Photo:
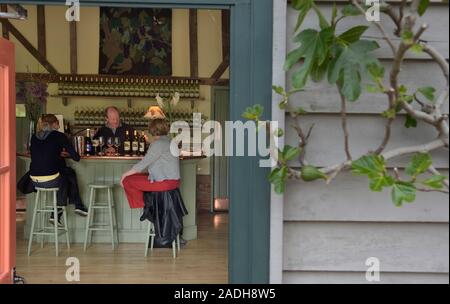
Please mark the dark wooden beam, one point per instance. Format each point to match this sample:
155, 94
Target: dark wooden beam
34, 52
225, 34
193, 41
42, 47
5, 33
221, 69
73, 48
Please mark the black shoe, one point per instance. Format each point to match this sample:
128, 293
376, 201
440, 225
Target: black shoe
52, 219
183, 242
81, 210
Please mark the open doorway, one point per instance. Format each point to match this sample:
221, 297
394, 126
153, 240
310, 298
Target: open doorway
251, 43
192, 56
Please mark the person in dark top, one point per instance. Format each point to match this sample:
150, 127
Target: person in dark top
47, 168
114, 128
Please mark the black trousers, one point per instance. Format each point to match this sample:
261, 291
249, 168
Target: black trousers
68, 187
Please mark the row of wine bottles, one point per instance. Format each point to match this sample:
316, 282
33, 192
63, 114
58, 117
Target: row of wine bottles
135, 145
131, 88
133, 117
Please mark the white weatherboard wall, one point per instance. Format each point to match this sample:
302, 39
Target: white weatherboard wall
330, 231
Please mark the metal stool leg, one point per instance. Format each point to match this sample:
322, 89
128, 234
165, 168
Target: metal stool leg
111, 223
152, 238
66, 227
149, 229
174, 250
178, 242
116, 225
55, 217
88, 220
33, 222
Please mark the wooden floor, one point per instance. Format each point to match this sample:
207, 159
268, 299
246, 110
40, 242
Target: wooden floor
200, 261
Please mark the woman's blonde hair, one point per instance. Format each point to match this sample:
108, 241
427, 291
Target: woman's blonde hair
46, 122
159, 127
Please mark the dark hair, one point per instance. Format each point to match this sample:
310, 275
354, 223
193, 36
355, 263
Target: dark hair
111, 108
159, 127
46, 121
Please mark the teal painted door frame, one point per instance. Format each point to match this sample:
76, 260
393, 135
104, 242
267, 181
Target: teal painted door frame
250, 83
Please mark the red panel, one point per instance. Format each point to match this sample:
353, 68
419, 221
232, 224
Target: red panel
7, 161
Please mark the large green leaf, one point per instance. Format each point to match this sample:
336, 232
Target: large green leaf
435, 182
379, 181
353, 34
428, 92
369, 165
422, 7
314, 49
303, 6
403, 192
278, 178
289, 153
350, 10
349, 64
419, 164
323, 23
410, 122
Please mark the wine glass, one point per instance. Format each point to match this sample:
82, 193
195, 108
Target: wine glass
95, 144
101, 143
109, 142
117, 145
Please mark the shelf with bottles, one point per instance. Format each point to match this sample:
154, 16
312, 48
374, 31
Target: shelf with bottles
126, 87
86, 117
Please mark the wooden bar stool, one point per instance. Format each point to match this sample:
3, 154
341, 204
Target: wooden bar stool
91, 226
42, 209
151, 238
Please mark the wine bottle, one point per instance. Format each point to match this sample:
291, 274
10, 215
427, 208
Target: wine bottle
88, 147
127, 144
135, 144
142, 144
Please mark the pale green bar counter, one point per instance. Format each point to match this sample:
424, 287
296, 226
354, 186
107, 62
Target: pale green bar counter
109, 170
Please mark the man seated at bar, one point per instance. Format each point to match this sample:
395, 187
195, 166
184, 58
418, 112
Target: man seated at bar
114, 128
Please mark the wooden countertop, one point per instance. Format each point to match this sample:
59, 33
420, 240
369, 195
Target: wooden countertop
137, 158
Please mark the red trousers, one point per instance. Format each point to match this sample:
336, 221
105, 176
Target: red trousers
136, 185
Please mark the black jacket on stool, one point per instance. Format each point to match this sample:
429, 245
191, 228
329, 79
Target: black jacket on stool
165, 210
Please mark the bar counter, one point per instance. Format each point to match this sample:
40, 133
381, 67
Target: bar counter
109, 169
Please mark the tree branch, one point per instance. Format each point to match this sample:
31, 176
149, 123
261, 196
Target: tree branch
378, 25
432, 190
344, 125
390, 121
435, 144
433, 170
440, 60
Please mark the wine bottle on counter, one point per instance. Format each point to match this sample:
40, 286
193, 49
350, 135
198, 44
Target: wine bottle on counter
142, 144
88, 147
135, 144
127, 144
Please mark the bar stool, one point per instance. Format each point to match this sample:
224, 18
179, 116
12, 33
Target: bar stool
108, 205
151, 238
43, 208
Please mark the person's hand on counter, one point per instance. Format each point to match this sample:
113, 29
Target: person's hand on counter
110, 151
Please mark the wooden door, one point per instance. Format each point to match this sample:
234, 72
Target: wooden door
7, 162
